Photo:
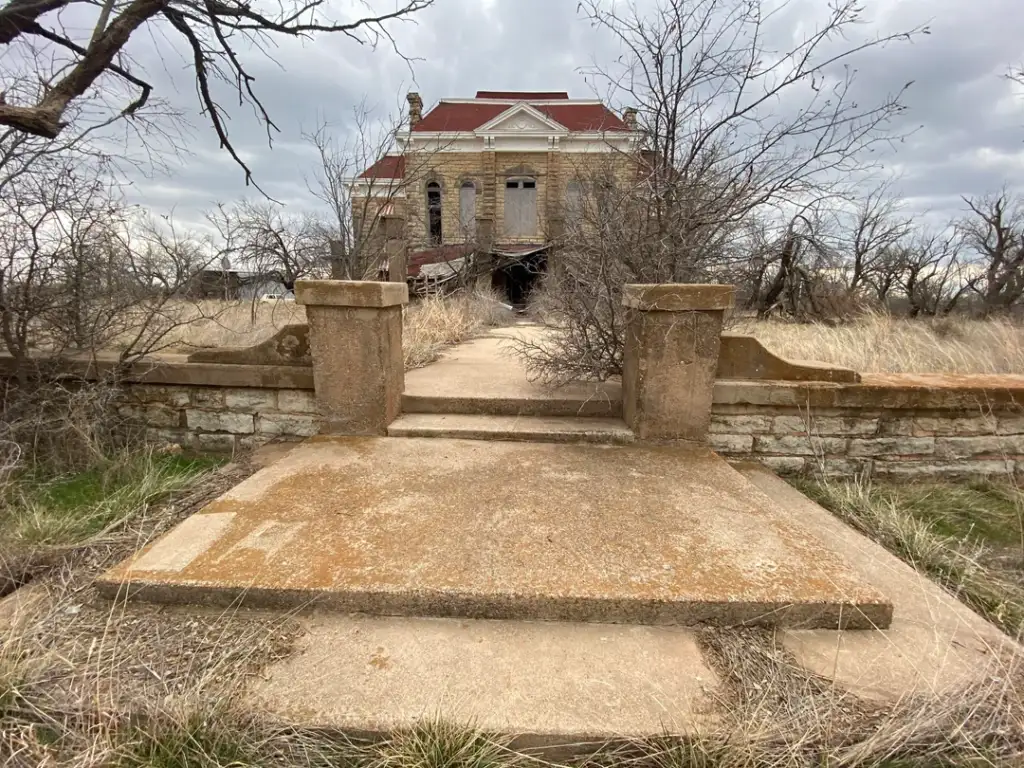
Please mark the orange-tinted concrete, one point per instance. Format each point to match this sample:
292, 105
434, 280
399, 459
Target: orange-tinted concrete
436, 527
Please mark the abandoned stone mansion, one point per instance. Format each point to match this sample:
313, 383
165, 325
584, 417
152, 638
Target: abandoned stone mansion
489, 181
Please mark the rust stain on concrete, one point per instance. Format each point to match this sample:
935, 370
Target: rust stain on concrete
661, 533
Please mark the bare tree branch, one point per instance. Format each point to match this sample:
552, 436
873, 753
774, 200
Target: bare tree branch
213, 30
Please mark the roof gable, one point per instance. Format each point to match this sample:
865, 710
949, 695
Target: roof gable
522, 118
465, 115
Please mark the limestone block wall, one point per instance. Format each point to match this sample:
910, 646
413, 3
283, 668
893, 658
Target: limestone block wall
896, 430
219, 418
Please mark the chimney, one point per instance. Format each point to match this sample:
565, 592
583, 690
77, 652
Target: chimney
629, 118
415, 108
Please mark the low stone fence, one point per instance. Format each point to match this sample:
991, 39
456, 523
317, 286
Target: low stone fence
216, 418
683, 378
888, 426
895, 426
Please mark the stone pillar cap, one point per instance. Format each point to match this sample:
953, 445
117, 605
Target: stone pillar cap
350, 293
677, 297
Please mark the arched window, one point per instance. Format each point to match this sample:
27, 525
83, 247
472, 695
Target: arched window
467, 207
434, 212
520, 207
573, 202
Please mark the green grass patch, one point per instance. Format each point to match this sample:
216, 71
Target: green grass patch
72, 508
194, 740
952, 532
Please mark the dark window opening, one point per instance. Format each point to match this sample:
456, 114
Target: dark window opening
434, 212
511, 185
529, 185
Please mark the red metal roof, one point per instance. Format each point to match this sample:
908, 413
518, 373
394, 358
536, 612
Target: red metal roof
447, 116
467, 116
435, 255
522, 95
388, 167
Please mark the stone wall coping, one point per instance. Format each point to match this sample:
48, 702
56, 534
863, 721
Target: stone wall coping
879, 392
350, 293
677, 297
174, 369
745, 357
874, 392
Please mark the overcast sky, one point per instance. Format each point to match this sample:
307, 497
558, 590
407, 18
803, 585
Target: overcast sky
970, 140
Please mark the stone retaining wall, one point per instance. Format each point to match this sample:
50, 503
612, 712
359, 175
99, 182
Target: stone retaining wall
898, 426
211, 418
891, 426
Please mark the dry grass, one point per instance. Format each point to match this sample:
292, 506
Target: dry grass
883, 344
966, 539
430, 324
433, 323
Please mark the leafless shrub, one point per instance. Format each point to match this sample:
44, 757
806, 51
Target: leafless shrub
716, 155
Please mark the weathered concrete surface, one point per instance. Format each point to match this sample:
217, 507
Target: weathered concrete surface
289, 346
355, 335
408, 526
543, 682
677, 297
350, 293
546, 429
483, 376
671, 358
745, 357
935, 644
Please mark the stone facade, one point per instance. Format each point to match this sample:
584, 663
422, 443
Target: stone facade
496, 138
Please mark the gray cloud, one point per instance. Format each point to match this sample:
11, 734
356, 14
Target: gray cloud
966, 122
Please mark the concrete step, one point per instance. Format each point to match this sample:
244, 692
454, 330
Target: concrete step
562, 689
544, 429
620, 534
594, 404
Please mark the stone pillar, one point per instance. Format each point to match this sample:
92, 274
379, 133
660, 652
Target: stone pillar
355, 337
395, 250
671, 355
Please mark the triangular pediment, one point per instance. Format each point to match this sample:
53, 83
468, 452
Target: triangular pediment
522, 118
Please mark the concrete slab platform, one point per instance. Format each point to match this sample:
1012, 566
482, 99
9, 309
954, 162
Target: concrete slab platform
935, 644
546, 429
433, 527
546, 683
483, 376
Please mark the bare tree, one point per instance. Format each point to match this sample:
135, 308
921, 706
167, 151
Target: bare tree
275, 245
356, 203
77, 272
733, 131
216, 35
874, 230
732, 125
993, 233
931, 273
796, 267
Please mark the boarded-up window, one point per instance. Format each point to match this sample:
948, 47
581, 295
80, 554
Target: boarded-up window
467, 207
434, 212
520, 208
573, 202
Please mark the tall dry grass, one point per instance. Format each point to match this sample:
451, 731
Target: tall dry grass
429, 324
436, 322
879, 343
